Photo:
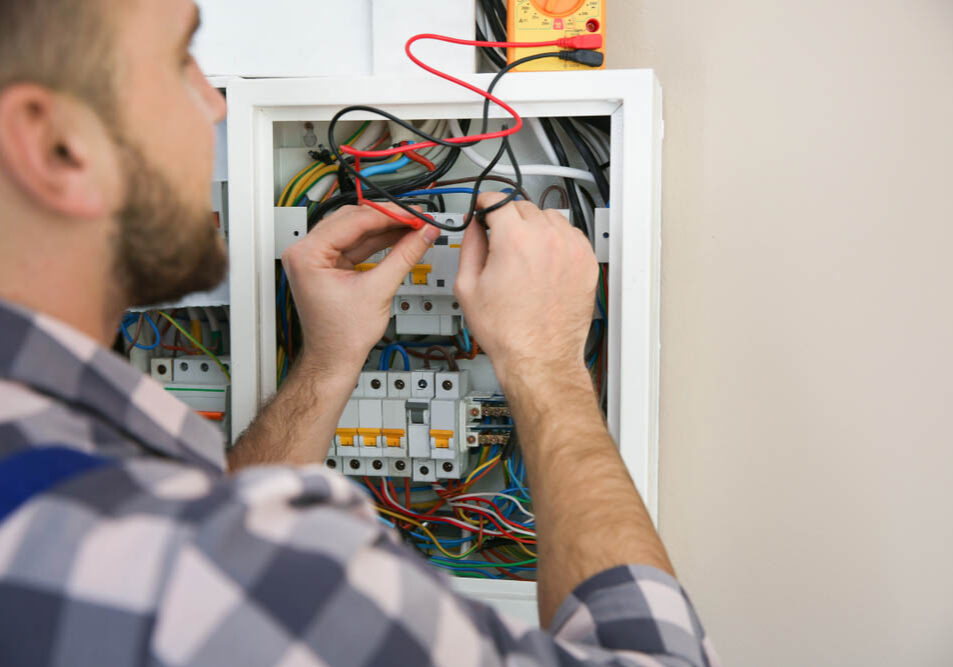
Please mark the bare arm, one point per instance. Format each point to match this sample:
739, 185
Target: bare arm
528, 295
343, 315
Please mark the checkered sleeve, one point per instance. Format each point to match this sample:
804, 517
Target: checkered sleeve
292, 567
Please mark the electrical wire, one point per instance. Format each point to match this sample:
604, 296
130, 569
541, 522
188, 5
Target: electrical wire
197, 344
528, 170
128, 321
592, 162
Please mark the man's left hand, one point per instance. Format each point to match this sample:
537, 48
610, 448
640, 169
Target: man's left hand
344, 312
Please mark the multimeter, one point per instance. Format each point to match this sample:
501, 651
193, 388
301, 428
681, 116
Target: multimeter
545, 20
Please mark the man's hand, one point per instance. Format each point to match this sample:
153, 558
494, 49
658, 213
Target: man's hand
344, 312
528, 296
528, 292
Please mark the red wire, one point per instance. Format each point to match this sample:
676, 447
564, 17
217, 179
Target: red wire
420, 159
414, 515
443, 75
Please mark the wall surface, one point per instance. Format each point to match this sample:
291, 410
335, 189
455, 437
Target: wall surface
807, 377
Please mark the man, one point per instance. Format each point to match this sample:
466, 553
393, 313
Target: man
123, 541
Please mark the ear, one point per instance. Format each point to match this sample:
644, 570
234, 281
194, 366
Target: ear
56, 150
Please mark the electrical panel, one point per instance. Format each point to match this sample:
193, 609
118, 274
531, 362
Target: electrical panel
423, 429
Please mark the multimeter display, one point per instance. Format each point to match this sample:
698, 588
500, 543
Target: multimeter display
544, 20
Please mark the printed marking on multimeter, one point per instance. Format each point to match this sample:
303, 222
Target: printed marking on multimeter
544, 20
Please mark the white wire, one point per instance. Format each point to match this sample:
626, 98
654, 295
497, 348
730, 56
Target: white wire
525, 169
512, 499
509, 527
537, 127
454, 522
371, 136
212, 318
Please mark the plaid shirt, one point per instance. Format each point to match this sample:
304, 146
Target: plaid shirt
161, 559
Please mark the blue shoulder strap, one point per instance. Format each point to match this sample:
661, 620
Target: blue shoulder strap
32, 471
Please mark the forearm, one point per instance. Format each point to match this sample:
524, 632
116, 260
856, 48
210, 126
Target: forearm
603, 522
296, 427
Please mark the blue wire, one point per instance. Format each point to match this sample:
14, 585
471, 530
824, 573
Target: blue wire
132, 318
510, 190
386, 168
437, 191
384, 362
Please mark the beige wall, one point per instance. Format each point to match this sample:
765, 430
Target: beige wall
807, 332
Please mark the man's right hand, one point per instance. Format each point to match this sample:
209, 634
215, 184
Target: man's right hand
527, 292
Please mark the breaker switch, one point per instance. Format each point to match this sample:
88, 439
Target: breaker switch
346, 436
364, 267
393, 436
369, 436
420, 273
441, 439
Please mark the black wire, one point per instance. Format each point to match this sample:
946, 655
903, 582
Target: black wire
491, 53
423, 201
497, 16
388, 195
592, 163
415, 183
579, 220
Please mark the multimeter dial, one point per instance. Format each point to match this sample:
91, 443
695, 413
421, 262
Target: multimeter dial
558, 8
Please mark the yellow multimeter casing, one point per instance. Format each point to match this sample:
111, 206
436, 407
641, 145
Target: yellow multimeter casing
546, 20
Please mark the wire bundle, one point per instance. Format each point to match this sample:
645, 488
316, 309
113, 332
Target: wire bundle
476, 534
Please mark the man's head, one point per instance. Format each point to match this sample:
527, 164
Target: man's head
107, 134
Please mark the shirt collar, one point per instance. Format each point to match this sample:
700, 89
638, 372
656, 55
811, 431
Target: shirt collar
57, 360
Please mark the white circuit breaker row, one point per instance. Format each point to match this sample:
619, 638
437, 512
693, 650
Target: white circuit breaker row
404, 424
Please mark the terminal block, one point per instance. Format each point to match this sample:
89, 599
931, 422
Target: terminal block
488, 421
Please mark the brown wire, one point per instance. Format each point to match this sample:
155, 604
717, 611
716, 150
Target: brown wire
563, 196
442, 351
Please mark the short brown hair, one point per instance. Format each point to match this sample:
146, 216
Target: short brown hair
66, 45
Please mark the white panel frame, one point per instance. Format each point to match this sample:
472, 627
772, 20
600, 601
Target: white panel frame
633, 100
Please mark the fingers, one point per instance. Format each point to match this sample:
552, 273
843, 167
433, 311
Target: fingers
374, 244
473, 254
408, 252
349, 226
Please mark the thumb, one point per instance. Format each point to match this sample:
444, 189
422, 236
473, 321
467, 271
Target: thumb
404, 256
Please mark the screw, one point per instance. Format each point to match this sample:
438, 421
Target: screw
355, 464
422, 383
448, 467
428, 306
377, 464
447, 385
400, 465
471, 439
399, 384
184, 366
404, 305
474, 412
375, 384
161, 369
424, 470
204, 368
331, 463
455, 306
